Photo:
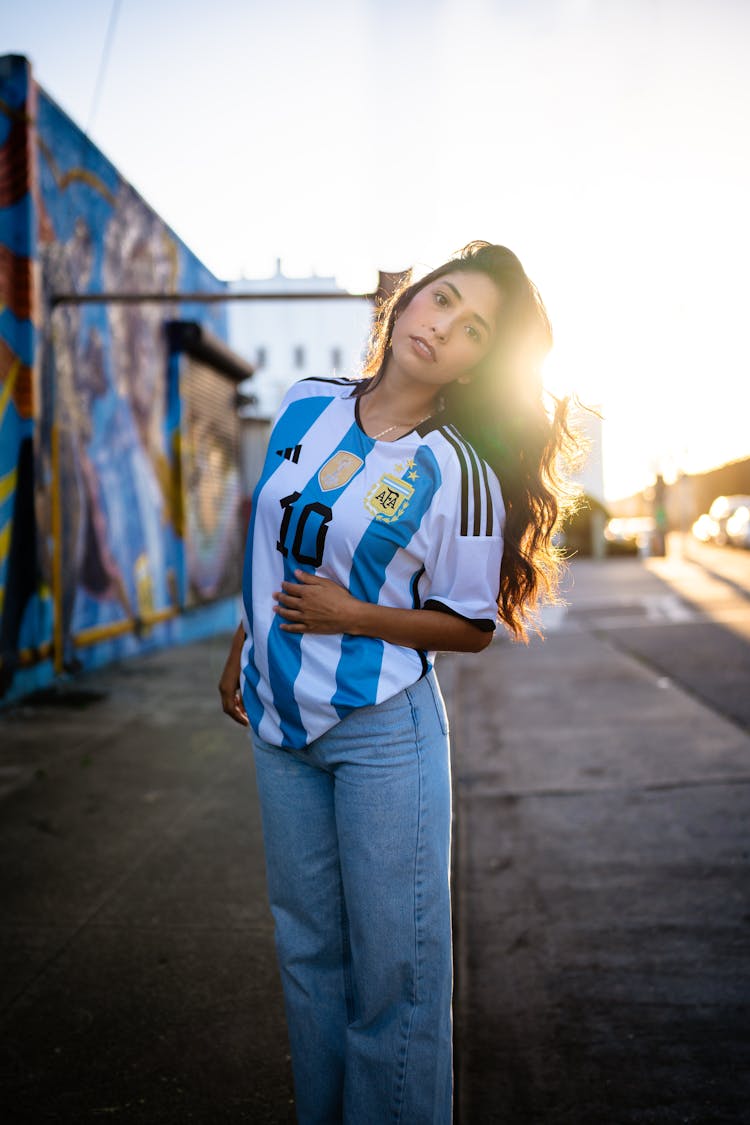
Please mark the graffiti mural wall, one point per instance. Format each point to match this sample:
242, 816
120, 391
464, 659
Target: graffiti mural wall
92, 484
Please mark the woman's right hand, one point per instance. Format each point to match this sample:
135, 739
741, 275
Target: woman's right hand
229, 684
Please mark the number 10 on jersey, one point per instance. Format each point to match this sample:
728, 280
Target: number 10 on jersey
307, 527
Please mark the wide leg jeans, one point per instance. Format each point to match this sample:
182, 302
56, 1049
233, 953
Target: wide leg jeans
357, 840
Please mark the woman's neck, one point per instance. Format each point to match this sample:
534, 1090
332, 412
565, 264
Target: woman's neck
401, 397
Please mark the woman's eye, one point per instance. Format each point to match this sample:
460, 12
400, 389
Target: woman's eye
441, 298
472, 332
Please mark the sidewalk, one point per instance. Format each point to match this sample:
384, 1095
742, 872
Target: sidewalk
601, 898
139, 980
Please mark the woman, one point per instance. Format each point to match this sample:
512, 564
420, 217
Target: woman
398, 515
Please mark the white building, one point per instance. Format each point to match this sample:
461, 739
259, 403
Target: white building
290, 339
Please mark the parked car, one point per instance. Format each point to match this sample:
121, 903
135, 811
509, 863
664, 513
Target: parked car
712, 527
581, 532
705, 528
738, 527
629, 535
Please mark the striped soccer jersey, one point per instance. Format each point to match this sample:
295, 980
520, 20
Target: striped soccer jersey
413, 523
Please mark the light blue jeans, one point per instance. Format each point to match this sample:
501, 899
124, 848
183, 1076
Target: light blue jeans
357, 838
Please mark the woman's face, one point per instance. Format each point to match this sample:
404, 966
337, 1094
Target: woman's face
447, 328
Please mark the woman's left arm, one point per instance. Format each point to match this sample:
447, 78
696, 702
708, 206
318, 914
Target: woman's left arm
317, 605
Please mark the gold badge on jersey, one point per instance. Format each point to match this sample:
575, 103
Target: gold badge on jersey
339, 470
389, 498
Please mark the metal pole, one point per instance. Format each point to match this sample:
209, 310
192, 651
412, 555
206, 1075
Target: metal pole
56, 299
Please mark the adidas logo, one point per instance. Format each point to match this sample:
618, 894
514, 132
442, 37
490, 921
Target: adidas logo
291, 453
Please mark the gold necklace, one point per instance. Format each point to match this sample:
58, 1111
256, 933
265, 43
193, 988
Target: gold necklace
400, 426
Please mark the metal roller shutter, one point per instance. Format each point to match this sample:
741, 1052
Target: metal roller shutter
210, 483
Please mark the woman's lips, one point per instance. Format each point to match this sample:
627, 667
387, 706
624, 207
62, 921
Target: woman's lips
421, 347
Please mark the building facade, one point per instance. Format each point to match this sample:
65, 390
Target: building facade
287, 339
119, 486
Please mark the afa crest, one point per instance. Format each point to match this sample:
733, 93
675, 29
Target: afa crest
339, 470
389, 498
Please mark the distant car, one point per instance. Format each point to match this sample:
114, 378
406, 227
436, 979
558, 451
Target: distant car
722, 509
705, 528
738, 527
629, 535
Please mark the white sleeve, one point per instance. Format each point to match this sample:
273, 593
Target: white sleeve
462, 567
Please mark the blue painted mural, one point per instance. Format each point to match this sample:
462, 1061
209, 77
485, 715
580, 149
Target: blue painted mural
95, 489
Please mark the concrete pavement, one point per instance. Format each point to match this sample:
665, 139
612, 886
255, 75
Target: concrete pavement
601, 893
603, 896
139, 980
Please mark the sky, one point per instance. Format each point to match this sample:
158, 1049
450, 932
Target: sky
604, 141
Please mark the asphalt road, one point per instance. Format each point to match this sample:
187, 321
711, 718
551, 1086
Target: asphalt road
686, 616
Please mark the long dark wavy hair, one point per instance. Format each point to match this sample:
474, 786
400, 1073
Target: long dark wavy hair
503, 413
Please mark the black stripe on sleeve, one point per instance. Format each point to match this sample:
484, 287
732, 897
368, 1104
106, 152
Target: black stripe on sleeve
473, 461
477, 489
475, 481
488, 494
482, 623
464, 478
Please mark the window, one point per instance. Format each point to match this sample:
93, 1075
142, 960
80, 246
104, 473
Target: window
299, 356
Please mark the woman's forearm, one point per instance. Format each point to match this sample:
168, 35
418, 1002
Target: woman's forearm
426, 629
318, 605
238, 640
229, 683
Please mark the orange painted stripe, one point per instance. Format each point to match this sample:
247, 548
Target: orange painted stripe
98, 633
15, 382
